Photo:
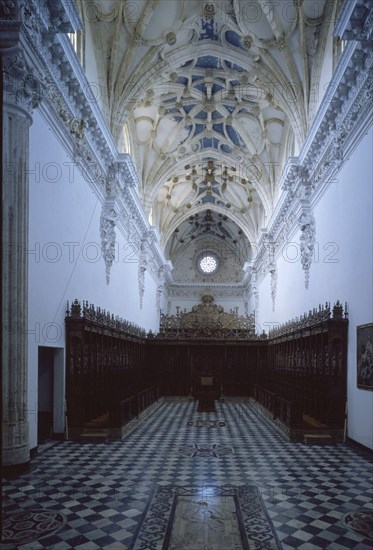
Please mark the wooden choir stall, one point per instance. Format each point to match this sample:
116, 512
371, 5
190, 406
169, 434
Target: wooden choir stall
115, 372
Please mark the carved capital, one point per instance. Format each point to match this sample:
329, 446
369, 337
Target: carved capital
21, 86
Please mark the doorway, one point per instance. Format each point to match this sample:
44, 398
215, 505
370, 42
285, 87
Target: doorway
51, 390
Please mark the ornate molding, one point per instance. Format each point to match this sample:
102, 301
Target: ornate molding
122, 173
343, 116
355, 21
54, 77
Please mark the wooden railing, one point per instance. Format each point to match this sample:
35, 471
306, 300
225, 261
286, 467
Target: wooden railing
287, 411
123, 411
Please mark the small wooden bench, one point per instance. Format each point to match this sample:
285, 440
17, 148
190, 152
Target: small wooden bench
320, 439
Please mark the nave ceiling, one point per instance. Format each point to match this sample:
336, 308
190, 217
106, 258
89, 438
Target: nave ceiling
210, 99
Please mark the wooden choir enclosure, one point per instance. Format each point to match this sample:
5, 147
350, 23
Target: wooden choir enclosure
115, 371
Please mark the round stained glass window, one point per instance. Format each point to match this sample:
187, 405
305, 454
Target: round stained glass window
208, 264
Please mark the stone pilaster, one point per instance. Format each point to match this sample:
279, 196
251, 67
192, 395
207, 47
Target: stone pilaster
21, 93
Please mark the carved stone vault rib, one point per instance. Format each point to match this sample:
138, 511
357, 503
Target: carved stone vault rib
187, 83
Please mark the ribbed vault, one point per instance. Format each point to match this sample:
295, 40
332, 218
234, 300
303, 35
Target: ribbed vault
210, 98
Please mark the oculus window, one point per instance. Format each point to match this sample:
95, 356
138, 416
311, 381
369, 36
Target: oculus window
208, 263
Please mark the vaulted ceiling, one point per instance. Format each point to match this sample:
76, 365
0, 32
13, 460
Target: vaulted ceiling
210, 98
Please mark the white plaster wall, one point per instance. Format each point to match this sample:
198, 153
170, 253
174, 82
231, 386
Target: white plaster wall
65, 260
342, 270
230, 269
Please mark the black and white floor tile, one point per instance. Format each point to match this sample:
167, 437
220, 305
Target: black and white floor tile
104, 490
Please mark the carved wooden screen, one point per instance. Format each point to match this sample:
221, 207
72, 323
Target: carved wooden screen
307, 364
300, 370
105, 364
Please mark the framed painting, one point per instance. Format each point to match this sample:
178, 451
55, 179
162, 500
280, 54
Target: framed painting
364, 347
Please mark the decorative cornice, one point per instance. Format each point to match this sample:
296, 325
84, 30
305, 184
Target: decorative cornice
343, 116
54, 72
355, 21
72, 15
123, 172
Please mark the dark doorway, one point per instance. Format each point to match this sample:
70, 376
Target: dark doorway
45, 393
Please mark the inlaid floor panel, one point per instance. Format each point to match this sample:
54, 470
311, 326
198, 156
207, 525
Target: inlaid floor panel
182, 470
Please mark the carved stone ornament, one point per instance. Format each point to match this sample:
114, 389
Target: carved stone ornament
273, 273
281, 42
356, 24
307, 226
159, 296
123, 174
8, 9
143, 266
208, 11
247, 41
137, 38
255, 291
141, 281
107, 231
77, 127
171, 38
22, 88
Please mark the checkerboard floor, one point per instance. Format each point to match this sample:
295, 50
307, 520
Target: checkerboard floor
103, 488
